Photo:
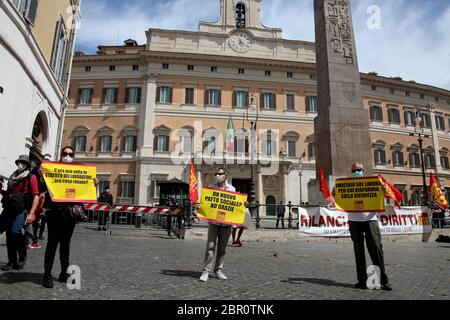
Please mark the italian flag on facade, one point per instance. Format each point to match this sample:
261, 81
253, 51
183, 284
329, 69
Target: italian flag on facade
230, 136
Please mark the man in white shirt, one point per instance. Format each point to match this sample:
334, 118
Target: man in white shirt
218, 235
365, 225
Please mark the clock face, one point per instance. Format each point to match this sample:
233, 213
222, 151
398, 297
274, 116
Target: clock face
240, 42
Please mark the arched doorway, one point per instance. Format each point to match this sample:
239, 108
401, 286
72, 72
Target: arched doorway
39, 136
271, 206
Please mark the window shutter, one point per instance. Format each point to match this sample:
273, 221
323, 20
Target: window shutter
307, 104
170, 94
91, 93
401, 158
375, 156
31, 11
127, 95
246, 99
116, 91
80, 92
390, 115
139, 93
383, 157
206, 101
261, 101
234, 98
219, 92
405, 116
158, 94
104, 96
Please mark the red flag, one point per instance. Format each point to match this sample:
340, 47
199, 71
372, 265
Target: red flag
324, 188
193, 184
390, 191
436, 192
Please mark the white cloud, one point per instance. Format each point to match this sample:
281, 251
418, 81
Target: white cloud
413, 41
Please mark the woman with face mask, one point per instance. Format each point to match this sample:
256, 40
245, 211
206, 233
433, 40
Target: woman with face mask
20, 202
60, 227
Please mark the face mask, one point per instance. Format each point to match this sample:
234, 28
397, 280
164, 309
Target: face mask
21, 166
220, 179
67, 159
357, 174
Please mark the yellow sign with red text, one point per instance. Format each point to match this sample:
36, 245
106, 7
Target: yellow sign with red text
70, 182
222, 206
359, 195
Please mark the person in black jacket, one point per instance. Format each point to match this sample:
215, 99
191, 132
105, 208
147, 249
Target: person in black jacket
60, 227
105, 198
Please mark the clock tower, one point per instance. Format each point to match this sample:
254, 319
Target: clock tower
242, 17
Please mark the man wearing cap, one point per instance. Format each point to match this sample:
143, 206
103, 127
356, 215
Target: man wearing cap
20, 202
365, 225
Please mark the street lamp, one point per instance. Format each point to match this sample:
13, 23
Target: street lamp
252, 116
300, 174
419, 132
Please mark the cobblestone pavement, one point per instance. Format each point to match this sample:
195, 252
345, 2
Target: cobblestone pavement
147, 264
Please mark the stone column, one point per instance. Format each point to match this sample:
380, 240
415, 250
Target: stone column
342, 126
285, 186
146, 137
435, 139
147, 115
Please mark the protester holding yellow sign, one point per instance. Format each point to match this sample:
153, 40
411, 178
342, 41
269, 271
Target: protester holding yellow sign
68, 186
221, 207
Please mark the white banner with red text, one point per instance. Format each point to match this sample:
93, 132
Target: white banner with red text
325, 222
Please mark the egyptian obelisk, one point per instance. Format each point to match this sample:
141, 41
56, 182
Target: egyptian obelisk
342, 125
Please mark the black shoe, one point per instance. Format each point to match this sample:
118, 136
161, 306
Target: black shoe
7, 267
19, 265
360, 285
63, 277
386, 287
48, 281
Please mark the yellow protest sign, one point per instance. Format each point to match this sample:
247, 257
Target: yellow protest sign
359, 195
70, 182
217, 205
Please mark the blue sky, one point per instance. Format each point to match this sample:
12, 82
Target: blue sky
411, 38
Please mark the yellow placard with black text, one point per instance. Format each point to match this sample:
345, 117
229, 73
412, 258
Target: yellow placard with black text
359, 195
70, 182
222, 206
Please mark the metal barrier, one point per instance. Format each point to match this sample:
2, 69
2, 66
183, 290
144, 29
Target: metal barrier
129, 215
292, 216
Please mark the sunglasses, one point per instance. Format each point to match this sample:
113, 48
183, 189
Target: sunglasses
65, 154
357, 170
220, 174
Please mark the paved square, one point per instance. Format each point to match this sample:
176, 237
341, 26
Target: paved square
146, 264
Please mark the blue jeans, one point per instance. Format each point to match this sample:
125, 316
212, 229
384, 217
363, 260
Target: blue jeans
16, 241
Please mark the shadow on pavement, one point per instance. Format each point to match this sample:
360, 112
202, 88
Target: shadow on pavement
12, 277
182, 273
324, 282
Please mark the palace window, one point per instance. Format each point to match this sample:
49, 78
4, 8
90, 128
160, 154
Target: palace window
379, 154
105, 143
311, 104
394, 116
80, 143
110, 95
60, 51
268, 100
410, 118
85, 95
189, 96
190, 67
241, 71
290, 102
415, 197
165, 66
129, 143
214, 97
426, 123
291, 143
440, 123
269, 144
397, 158
164, 94
268, 73
135, 67
414, 156
127, 189
444, 159
162, 143
133, 95
290, 75
240, 99
429, 160
376, 114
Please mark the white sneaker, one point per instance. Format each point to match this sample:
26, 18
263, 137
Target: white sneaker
205, 276
220, 275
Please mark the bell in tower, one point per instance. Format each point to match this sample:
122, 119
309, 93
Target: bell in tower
240, 16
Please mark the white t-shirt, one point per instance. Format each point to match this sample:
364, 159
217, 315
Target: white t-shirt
362, 216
